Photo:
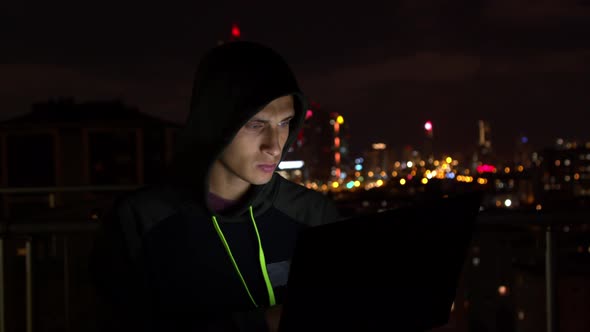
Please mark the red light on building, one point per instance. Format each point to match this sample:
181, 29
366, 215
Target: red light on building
235, 31
428, 126
300, 138
308, 114
485, 168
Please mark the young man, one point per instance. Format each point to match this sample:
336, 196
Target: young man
208, 248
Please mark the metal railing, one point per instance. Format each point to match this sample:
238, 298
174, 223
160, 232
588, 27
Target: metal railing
30, 231
39, 190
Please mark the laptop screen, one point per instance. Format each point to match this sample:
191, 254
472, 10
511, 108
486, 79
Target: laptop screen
399, 266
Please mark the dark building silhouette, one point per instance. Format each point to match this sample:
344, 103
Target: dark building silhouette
523, 152
64, 143
564, 172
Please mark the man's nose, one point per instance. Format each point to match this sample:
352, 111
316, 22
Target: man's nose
271, 143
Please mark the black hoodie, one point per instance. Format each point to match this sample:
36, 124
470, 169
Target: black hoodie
159, 263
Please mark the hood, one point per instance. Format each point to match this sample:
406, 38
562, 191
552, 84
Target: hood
233, 82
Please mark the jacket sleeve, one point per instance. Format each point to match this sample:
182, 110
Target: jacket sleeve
330, 211
124, 297
323, 210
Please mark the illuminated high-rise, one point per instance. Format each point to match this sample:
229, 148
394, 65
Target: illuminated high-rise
484, 142
428, 148
483, 154
323, 145
378, 158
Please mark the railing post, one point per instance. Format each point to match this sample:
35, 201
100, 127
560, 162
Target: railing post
2, 288
66, 285
29, 284
550, 281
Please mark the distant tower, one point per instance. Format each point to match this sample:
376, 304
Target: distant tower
483, 154
485, 142
339, 146
428, 142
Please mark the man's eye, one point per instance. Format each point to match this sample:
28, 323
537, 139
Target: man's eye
284, 123
254, 125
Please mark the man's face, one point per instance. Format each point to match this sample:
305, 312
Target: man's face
256, 150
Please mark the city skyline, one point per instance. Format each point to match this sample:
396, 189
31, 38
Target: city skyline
470, 151
387, 69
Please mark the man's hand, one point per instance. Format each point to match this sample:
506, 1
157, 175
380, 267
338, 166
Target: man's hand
273, 317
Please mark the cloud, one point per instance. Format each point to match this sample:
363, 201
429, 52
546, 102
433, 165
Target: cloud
440, 67
161, 90
550, 62
424, 66
542, 12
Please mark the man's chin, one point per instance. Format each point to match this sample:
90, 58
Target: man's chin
262, 180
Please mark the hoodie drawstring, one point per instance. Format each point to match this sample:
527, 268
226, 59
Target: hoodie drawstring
271, 294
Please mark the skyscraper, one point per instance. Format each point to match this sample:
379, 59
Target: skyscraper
483, 153
321, 144
378, 158
484, 141
428, 149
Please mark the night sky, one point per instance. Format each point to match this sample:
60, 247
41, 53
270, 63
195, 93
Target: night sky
522, 65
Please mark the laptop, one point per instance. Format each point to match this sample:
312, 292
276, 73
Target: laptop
394, 270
